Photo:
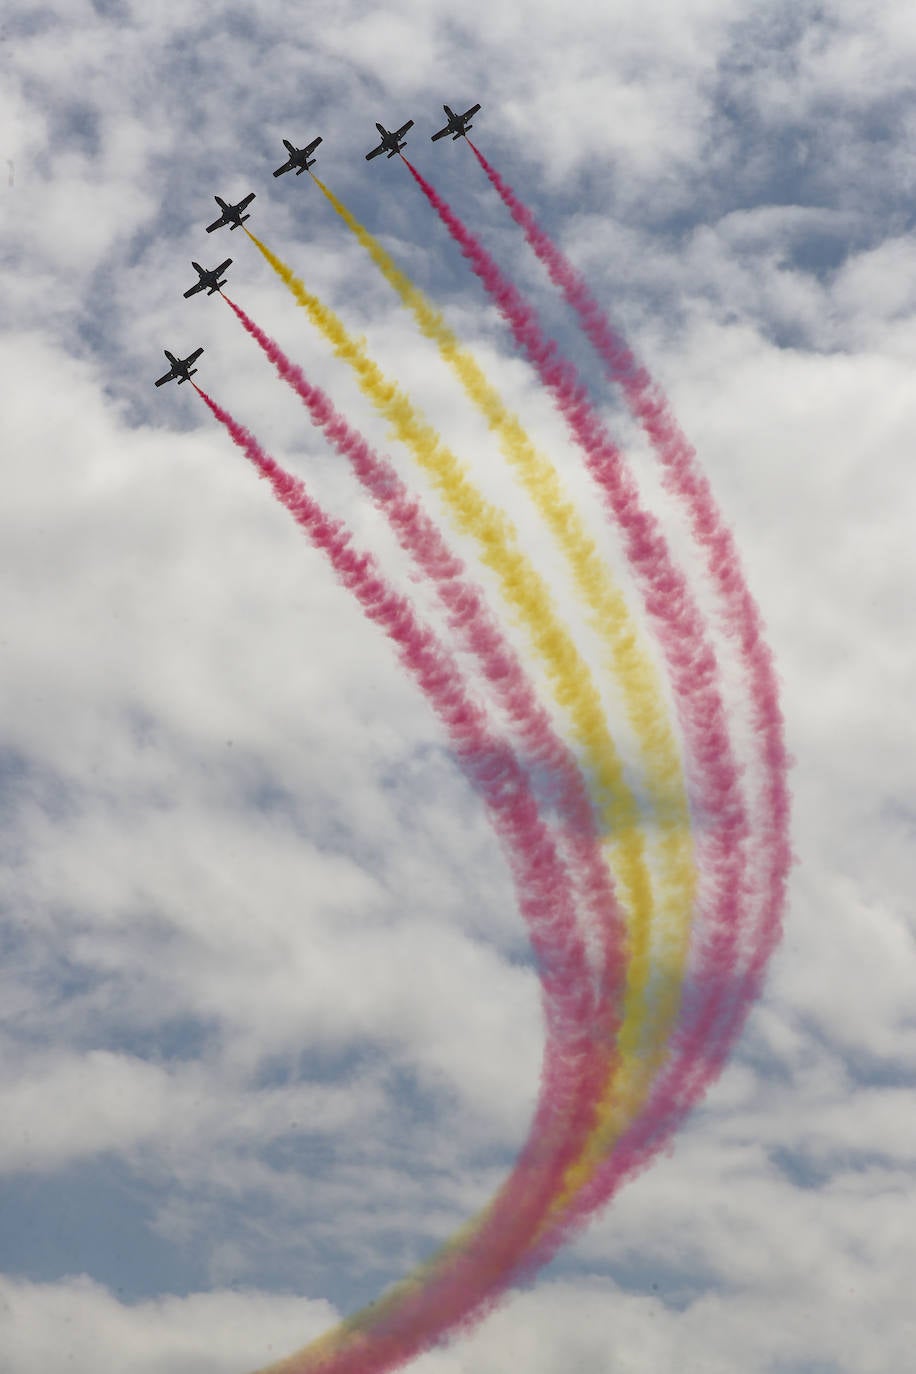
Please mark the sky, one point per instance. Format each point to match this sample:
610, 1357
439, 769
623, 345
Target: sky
270, 1026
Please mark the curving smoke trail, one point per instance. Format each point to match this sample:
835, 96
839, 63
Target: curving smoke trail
722, 994
689, 655
465, 1279
604, 1108
479, 635
527, 594
629, 664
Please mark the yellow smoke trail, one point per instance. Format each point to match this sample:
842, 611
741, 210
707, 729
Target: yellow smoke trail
527, 593
633, 671
574, 690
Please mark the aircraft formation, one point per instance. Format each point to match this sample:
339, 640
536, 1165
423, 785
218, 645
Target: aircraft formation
676, 858
300, 160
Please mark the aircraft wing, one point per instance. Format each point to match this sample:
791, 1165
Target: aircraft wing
442, 133
287, 167
375, 152
194, 356
198, 286
403, 129
217, 224
469, 114
167, 378
222, 267
313, 145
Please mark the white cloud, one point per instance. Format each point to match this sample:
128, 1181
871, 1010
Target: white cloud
78, 1323
262, 949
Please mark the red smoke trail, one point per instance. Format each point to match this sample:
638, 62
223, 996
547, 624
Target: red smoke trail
480, 635
684, 478
688, 651
462, 1283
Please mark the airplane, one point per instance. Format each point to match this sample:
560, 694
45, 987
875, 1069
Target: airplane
180, 367
458, 125
391, 142
298, 158
231, 214
209, 277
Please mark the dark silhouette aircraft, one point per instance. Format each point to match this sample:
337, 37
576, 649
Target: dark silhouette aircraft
458, 124
391, 142
180, 367
231, 214
298, 158
209, 278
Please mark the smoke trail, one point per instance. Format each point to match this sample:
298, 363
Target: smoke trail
527, 594
462, 1281
720, 1003
480, 636
688, 652
610, 616
627, 1103
687, 482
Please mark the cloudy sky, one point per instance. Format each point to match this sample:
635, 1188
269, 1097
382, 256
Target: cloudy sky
269, 1026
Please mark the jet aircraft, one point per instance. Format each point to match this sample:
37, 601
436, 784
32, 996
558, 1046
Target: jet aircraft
458, 124
231, 214
298, 158
180, 367
391, 142
209, 278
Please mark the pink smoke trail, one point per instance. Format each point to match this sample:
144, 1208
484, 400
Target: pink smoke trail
688, 651
686, 481
481, 637
462, 1283
422, 539
689, 654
